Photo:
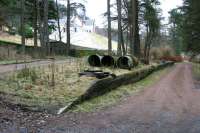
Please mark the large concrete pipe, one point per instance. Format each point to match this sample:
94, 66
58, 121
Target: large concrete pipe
107, 61
94, 60
127, 62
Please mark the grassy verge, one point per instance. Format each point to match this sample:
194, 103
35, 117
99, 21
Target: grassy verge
196, 70
115, 96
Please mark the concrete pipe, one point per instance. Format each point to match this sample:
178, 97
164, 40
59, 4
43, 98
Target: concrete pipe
107, 61
127, 62
94, 60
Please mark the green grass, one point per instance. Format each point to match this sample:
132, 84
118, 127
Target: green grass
115, 96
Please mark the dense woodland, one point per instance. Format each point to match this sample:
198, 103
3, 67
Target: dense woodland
140, 28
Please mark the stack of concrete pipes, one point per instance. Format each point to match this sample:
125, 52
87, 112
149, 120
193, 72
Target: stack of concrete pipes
123, 62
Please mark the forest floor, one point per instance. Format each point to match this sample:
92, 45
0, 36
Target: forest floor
171, 105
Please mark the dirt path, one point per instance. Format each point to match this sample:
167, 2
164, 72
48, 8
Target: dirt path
172, 105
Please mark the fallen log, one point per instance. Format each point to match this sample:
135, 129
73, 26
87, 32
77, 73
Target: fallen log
98, 74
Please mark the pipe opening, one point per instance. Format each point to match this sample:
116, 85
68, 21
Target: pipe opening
107, 61
124, 62
94, 60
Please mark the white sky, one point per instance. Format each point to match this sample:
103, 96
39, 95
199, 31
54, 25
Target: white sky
95, 8
167, 5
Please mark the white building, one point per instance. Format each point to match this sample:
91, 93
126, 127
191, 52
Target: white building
77, 25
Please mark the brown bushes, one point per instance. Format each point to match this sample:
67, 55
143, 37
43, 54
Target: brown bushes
157, 53
172, 58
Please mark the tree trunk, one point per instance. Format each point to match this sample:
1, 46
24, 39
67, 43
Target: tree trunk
68, 27
40, 29
149, 45
23, 39
127, 39
132, 17
121, 47
35, 23
136, 31
58, 21
46, 27
109, 29
135, 38
146, 43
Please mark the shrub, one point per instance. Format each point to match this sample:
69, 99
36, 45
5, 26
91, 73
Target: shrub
155, 53
173, 58
28, 73
167, 51
160, 52
28, 31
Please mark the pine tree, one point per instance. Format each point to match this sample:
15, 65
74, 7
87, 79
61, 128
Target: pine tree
191, 25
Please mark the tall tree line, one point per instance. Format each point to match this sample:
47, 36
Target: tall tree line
36, 15
191, 28
131, 15
185, 29
176, 20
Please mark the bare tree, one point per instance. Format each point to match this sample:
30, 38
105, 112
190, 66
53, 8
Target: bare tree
35, 20
68, 27
46, 27
152, 24
23, 41
121, 47
58, 20
109, 29
136, 36
40, 27
134, 28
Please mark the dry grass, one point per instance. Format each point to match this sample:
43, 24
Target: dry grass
49, 86
15, 39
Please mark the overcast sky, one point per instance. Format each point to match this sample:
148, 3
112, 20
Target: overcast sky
95, 8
